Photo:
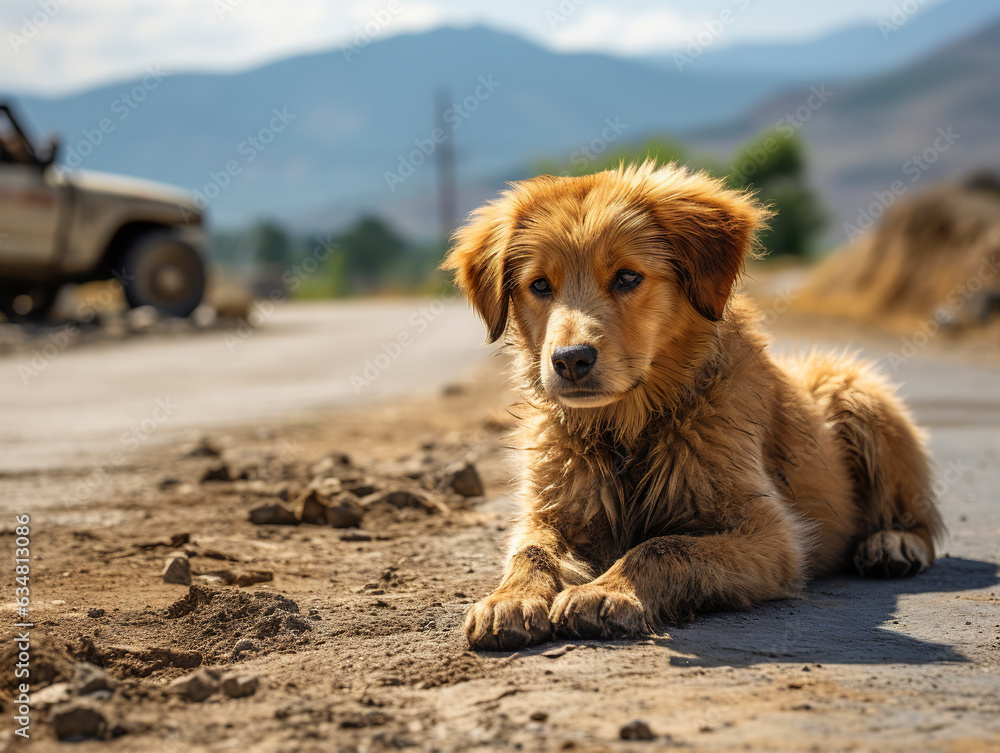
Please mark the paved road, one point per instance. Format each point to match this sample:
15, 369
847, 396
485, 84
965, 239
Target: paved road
101, 397
92, 399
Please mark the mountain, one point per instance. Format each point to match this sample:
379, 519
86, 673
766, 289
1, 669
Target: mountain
315, 140
938, 118
349, 119
861, 51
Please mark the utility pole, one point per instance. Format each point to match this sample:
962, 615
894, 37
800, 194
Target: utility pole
444, 160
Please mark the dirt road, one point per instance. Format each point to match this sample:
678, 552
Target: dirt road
369, 655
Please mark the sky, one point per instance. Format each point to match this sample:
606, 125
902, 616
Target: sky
58, 46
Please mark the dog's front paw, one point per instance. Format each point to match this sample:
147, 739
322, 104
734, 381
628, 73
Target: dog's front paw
596, 611
506, 621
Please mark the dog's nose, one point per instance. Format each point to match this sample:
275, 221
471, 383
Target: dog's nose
574, 362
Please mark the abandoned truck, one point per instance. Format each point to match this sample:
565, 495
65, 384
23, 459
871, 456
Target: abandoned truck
59, 227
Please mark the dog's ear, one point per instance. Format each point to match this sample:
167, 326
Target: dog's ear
479, 259
709, 230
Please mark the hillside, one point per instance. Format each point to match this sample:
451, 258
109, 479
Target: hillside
872, 133
891, 41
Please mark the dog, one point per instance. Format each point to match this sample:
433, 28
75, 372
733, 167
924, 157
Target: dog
674, 466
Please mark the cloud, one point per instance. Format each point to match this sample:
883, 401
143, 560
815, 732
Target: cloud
595, 27
75, 46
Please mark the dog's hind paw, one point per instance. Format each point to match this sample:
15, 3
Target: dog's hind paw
595, 611
892, 554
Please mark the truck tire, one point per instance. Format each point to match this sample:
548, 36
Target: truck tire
162, 271
25, 304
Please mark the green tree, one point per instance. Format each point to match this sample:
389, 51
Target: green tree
372, 253
271, 244
773, 165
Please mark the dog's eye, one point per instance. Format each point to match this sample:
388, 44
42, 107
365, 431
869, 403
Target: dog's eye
541, 288
626, 279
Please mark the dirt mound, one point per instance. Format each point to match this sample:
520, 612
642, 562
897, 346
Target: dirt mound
50, 661
935, 256
206, 626
214, 621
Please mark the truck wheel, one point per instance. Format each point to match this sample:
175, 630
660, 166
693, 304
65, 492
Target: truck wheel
26, 304
162, 271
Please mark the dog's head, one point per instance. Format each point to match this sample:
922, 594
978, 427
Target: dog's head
606, 276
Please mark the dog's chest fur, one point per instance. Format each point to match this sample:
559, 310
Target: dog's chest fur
652, 486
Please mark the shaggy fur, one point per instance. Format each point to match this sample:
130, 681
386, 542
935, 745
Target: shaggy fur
687, 469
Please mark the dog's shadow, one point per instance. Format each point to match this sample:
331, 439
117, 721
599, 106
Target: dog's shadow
839, 620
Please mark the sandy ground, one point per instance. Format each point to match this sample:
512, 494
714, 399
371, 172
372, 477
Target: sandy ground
368, 653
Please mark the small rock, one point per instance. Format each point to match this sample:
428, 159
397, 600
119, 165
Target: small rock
344, 511
273, 514
252, 578
311, 507
296, 624
78, 719
359, 721
169, 483
328, 487
202, 448
95, 613
240, 686
215, 578
399, 498
637, 730
50, 696
463, 479
242, 646
356, 536
361, 488
177, 540
539, 716
329, 465
554, 653
177, 569
196, 686
217, 472
88, 678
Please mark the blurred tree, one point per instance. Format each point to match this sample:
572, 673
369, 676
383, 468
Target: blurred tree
587, 160
774, 166
372, 252
271, 244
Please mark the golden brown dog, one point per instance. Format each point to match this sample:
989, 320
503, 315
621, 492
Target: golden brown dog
673, 465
